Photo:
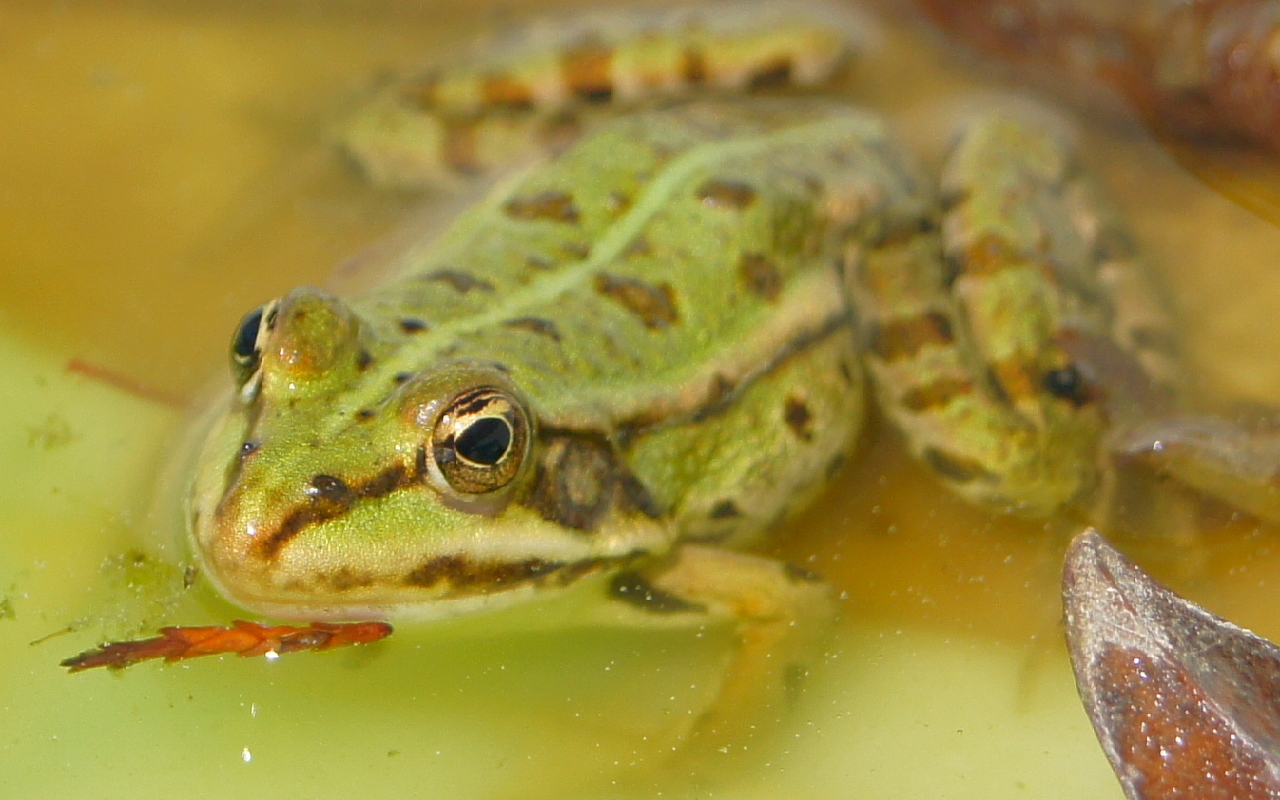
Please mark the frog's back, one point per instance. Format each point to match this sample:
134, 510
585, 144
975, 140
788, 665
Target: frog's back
666, 249
672, 287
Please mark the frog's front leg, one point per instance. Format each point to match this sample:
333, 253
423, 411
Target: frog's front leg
781, 613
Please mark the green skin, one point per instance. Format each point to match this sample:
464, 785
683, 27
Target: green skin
676, 316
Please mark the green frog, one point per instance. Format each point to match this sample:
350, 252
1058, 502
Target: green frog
628, 361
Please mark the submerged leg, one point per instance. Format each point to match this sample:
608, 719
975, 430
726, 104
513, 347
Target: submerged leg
781, 613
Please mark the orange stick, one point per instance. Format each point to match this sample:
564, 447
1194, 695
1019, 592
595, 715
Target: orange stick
243, 638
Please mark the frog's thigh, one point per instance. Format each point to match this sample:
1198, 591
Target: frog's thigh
732, 473
781, 613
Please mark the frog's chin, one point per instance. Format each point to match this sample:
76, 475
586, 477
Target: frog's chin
424, 609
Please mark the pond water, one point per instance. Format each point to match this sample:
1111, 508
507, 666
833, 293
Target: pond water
167, 168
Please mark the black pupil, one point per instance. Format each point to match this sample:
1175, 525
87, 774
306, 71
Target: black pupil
245, 346
485, 441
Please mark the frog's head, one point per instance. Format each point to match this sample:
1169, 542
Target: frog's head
341, 485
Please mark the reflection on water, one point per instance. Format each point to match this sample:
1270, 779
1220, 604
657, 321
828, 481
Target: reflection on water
166, 169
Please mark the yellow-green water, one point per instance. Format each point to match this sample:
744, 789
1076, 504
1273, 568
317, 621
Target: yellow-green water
165, 169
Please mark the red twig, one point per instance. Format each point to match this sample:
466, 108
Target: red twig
243, 638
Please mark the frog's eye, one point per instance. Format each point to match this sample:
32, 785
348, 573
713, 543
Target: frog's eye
480, 440
246, 348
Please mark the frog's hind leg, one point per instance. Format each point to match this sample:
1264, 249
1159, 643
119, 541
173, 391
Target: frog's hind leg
781, 613
513, 104
965, 325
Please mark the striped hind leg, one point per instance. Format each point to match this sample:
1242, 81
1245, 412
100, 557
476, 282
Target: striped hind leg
515, 102
962, 324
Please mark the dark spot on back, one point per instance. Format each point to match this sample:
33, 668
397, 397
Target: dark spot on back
760, 276
459, 281
955, 468
772, 75
798, 418
363, 359
725, 193
549, 205
401, 377
365, 414
725, 509
632, 587
654, 305
538, 325
578, 251
412, 325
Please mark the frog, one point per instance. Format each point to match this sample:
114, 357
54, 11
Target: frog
629, 360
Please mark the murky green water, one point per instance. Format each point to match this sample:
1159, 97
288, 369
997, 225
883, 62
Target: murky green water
165, 170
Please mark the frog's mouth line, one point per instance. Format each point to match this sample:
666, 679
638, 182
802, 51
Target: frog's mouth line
466, 577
